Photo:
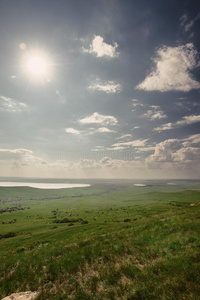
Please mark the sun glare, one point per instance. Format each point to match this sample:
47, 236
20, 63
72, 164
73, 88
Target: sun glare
37, 66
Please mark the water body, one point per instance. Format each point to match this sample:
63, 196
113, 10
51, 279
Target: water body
43, 185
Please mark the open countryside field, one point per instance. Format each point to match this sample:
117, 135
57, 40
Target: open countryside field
112, 240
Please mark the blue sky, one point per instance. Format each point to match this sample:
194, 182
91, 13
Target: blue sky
100, 88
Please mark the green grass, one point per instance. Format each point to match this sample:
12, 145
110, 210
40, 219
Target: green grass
137, 244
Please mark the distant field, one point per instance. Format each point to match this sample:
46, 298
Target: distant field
111, 240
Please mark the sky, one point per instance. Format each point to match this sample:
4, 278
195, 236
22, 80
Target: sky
100, 89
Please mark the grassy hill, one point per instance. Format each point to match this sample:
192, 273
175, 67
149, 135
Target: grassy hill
107, 241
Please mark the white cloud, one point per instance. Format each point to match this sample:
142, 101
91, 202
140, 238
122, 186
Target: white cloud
164, 151
100, 48
166, 126
72, 130
135, 143
155, 113
172, 70
135, 127
187, 154
14, 154
104, 129
172, 153
193, 139
136, 103
187, 120
124, 136
97, 118
117, 147
89, 131
11, 105
107, 87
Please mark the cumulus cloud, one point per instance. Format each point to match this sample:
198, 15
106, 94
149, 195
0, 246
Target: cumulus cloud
171, 153
187, 120
100, 48
164, 151
187, 154
155, 113
72, 130
8, 104
97, 118
172, 70
108, 87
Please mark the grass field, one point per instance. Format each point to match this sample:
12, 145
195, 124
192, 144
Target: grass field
108, 241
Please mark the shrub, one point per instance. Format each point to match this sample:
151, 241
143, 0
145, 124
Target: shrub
7, 235
84, 222
127, 220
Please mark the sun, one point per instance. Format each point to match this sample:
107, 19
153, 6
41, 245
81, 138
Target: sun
37, 66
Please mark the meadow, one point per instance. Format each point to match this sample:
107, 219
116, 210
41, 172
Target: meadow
112, 240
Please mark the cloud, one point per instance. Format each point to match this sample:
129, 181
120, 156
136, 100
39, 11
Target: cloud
172, 153
193, 139
72, 130
104, 129
163, 127
187, 120
97, 118
106, 165
100, 48
155, 113
11, 105
136, 103
187, 25
146, 149
135, 143
98, 148
187, 154
89, 131
164, 151
171, 72
14, 153
124, 136
186, 105
19, 158
107, 87
135, 127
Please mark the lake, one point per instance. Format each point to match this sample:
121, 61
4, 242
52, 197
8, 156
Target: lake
40, 185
